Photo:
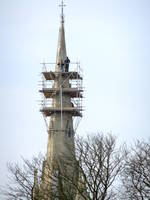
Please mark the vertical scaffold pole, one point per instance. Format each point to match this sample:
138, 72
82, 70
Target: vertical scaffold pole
61, 107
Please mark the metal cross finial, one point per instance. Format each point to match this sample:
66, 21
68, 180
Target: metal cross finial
62, 5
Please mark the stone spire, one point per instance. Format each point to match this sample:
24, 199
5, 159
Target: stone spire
63, 104
61, 49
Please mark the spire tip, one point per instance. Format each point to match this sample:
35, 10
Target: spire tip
62, 5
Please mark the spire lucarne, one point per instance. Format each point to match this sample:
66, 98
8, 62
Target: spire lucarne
61, 104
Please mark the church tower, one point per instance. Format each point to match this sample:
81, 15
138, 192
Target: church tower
61, 106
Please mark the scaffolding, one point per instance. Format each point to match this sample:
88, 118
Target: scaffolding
74, 91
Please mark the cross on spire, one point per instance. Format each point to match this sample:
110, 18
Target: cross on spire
62, 5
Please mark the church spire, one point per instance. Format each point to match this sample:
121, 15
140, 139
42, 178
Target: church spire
61, 49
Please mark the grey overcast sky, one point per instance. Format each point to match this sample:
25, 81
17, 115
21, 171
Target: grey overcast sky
111, 39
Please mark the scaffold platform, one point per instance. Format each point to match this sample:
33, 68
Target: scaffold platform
52, 75
72, 92
48, 111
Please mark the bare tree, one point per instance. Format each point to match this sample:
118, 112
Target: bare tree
136, 174
26, 182
98, 163
21, 179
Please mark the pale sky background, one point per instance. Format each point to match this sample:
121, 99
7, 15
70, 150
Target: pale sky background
111, 39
